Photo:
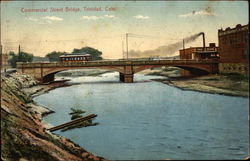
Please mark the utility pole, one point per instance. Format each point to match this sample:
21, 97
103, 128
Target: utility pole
127, 43
123, 54
1, 33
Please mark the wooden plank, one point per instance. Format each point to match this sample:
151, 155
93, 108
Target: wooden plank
72, 122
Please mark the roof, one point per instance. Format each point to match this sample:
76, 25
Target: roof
229, 30
207, 48
75, 54
206, 52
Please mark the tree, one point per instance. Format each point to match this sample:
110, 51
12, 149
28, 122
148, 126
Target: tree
54, 56
13, 59
25, 57
22, 57
39, 59
96, 54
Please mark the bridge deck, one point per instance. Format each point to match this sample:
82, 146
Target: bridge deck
113, 63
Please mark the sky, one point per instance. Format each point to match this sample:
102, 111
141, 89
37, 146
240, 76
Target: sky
75, 24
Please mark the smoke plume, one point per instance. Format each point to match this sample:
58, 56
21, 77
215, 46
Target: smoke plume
166, 50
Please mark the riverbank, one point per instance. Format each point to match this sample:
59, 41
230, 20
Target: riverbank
215, 84
223, 84
23, 135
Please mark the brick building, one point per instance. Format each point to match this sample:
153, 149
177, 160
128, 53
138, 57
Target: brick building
198, 53
234, 49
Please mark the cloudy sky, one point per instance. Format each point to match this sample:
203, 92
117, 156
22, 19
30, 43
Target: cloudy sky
66, 25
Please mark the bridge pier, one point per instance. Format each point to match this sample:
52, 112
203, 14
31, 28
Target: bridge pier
127, 78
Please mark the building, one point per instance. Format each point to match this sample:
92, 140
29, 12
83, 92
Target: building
4, 62
234, 49
198, 53
78, 57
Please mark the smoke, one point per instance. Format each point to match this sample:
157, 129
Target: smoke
166, 50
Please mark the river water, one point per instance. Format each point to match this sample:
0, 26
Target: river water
151, 120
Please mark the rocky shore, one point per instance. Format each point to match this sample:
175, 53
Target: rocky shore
23, 135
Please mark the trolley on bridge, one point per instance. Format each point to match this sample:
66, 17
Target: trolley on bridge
79, 57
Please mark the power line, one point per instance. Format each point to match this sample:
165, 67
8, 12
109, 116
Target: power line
150, 37
41, 41
129, 34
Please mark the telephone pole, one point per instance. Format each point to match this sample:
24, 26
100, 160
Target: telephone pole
123, 54
127, 43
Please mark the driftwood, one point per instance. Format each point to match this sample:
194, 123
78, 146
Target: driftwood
72, 122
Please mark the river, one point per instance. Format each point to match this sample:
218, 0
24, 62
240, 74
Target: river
150, 120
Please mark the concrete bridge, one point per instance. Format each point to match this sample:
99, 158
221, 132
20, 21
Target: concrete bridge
45, 72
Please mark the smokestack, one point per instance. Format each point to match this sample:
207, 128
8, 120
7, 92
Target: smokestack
183, 45
19, 50
203, 36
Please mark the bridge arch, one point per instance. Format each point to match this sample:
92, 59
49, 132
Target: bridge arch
194, 70
49, 74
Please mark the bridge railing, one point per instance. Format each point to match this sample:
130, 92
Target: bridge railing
111, 63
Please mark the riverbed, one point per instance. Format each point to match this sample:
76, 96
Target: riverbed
150, 120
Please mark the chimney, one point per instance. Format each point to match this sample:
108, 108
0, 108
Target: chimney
183, 45
183, 48
19, 50
204, 44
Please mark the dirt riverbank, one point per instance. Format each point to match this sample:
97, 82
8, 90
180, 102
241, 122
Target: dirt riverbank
224, 84
23, 136
214, 84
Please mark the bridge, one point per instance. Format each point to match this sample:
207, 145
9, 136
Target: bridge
45, 72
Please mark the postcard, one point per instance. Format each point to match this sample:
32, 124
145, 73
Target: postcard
124, 80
